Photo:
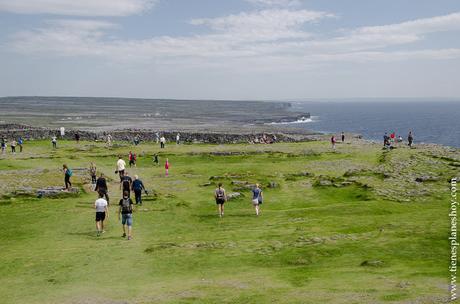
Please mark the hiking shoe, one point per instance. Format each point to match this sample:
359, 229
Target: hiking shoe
130, 238
124, 235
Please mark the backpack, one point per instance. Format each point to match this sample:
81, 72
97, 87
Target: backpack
69, 172
220, 194
126, 205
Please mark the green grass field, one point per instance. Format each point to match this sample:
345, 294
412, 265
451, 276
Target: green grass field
350, 226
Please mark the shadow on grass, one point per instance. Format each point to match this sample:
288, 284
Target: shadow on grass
92, 234
216, 216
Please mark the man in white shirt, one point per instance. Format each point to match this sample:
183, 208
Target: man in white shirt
121, 167
102, 212
162, 142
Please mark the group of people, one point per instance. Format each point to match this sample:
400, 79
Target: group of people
125, 205
13, 144
388, 140
221, 197
334, 140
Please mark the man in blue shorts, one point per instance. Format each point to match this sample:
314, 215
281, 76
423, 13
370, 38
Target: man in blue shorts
126, 211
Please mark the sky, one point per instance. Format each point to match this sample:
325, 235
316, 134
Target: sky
230, 49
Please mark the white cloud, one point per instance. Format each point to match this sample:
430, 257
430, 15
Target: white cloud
272, 24
280, 3
266, 39
77, 7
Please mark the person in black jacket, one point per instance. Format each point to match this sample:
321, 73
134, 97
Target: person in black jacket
101, 187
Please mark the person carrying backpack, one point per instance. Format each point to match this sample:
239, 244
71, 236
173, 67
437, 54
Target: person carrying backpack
257, 198
126, 184
221, 198
67, 175
126, 212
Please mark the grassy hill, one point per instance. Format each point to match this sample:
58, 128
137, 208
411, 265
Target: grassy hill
345, 226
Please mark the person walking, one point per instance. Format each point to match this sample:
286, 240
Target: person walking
167, 168
221, 198
162, 142
54, 141
13, 146
343, 137
157, 137
77, 137
101, 188
178, 138
126, 184
3, 144
156, 159
93, 172
410, 139
109, 140
126, 211
67, 175
257, 198
131, 159
20, 143
102, 213
121, 164
333, 141
138, 187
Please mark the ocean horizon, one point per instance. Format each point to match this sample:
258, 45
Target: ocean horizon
436, 121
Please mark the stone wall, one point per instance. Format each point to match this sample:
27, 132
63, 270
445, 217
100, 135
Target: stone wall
10, 131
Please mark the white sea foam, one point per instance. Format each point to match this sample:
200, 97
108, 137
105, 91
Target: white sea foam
301, 120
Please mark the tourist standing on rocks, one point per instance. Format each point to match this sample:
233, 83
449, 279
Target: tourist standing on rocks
138, 187
77, 137
333, 141
343, 137
177, 138
221, 198
126, 212
257, 198
101, 188
386, 140
102, 212
120, 167
126, 184
67, 175
13, 146
410, 139
167, 168
3, 145
93, 172
157, 137
54, 141
156, 159
162, 142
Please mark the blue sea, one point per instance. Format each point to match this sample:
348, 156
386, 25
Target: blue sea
430, 121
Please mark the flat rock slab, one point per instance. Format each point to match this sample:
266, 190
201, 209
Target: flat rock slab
55, 191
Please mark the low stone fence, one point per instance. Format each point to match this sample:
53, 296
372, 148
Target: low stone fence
10, 131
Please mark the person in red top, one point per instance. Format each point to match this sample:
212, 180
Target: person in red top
131, 159
166, 168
